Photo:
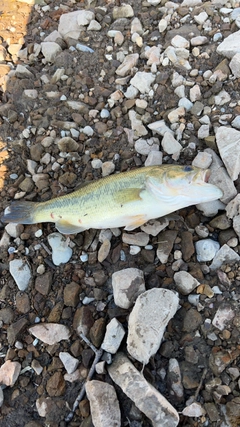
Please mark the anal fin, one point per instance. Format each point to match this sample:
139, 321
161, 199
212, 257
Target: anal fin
66, 227
135, 221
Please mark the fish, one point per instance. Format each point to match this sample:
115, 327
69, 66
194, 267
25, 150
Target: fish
127, 199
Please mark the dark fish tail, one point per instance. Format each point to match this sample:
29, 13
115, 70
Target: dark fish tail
20, 212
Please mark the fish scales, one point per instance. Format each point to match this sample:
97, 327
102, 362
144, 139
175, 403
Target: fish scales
124, 199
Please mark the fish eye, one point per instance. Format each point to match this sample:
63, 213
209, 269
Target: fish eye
187, 168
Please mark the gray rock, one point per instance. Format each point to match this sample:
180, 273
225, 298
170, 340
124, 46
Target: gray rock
228, 142
21, 273
144, 395
230, 46
223, 256
136, 124
124, 11
154, 158
206, 249
154, 226
14, 230
139, 239
147, 322
185, 282
113, 336
165, 244
211, 208
236, 122
175, 380
233, 207
223, 317
127, 285
220, 178
104, 404
159, 127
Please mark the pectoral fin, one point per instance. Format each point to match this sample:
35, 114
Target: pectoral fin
65, 227
128, 195
135, 221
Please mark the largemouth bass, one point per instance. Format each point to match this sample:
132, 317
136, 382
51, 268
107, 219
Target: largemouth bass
127, 199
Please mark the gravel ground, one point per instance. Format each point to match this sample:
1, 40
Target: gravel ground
83, 104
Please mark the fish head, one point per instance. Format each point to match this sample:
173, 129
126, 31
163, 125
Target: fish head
191, 183
184, 186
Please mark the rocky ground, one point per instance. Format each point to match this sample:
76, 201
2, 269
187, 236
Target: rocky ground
89, 89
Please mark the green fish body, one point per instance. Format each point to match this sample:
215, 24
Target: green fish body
127, 199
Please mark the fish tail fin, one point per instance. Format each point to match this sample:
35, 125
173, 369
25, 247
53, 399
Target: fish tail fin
20, 212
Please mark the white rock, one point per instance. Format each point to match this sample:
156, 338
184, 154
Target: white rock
198, 40
136, 124
147, 322
235, 65
129, 62
195, 93
145, 396
211, 208
153, 55
70, 363
165, 244
68, 24
104, 404
223, 317
61, 252
159, 127
136, 26
223, 256
194, 410
9, 372
144, 147
94, 26
202, 160
50, 333
203, 131
84, 17
134, 250
14, 230
88, 130
185, 282
180, 91
185, 103
236, 122
31, 93
52, 37
162, 25
21, 273
107, 168
170, 145
236, 225
142, 81
123, 11
230, 46
131, 92
22, 71
222, 98
228, 142
201, 17
174, 115
206, 249
154, 158
127, 285
50, 50
179, 41
113, 336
